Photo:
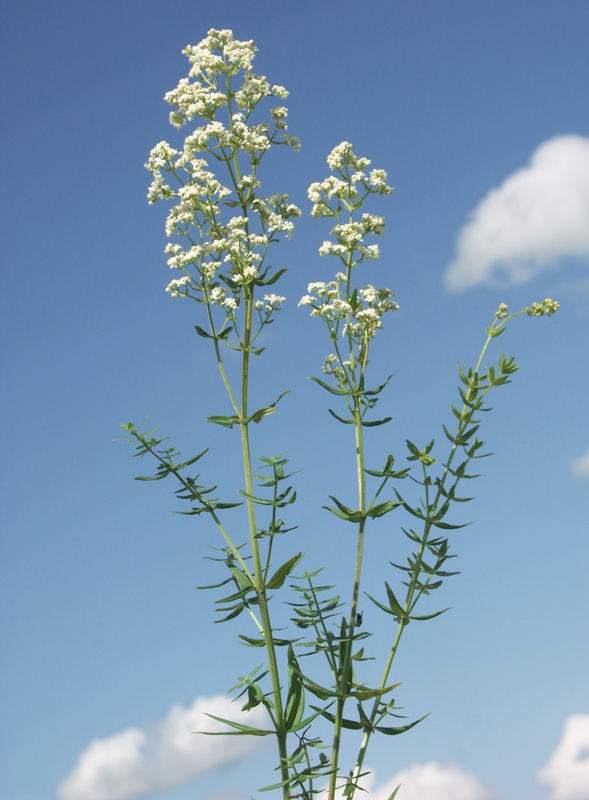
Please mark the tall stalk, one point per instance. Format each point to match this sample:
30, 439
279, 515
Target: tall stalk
226, 233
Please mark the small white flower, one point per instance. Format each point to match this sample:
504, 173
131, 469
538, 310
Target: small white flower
274, 300
218, 295
174, 287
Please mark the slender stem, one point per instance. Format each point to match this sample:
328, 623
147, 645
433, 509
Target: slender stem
220, 364
258, 570
348, 650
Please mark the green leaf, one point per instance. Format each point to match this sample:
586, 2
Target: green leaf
381, 509
262, 642
191, 460
376, 603
272, 279
343, 512
240, 730
283, 572
319, 691
246, 680
252, 642
295, 701
414, 450
368, 694
235, 613
227, 422
388, 731
215, 505
341, 419
429, 616
328, 387
215, 585
375, 422
202, 332
224, 334
243, 579
351, 724
394, 607
394, 604
258, 415
262, 501
254, 697
379, 389
446, 525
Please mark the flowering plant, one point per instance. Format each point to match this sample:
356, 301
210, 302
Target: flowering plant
221, 235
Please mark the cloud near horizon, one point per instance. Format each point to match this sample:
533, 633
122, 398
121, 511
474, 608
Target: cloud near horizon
567, 771
432, 781
537, 217
580, 466
165, 754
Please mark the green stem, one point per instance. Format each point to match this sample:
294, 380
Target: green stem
347, 665
258, 570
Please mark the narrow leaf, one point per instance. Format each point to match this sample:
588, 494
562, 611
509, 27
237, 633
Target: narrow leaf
429, 616
227, 422
375, 422
283, 572
381, 509
240, 730
295, 701
401, 729
341, 419
329, 388
202, 332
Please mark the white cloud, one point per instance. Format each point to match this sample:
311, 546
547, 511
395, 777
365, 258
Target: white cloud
567, 771
165, 754
580, 466
432, 781
538, 216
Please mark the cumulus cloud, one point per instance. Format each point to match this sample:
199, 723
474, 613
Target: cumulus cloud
580, 466
538, 216
432, 781
141, 761
567, 771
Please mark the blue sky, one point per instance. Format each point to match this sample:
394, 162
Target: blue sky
478, 111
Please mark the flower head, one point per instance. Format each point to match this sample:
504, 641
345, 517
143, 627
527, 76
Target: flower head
547, 306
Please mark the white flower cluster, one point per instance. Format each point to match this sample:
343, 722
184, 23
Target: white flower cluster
348, 311
362, 313
221, 257
353, 182
270, 303
329, 189
175, 287
219, 53
234, 55
350, 240
276, 213
333, 366
342, 157
220, 297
